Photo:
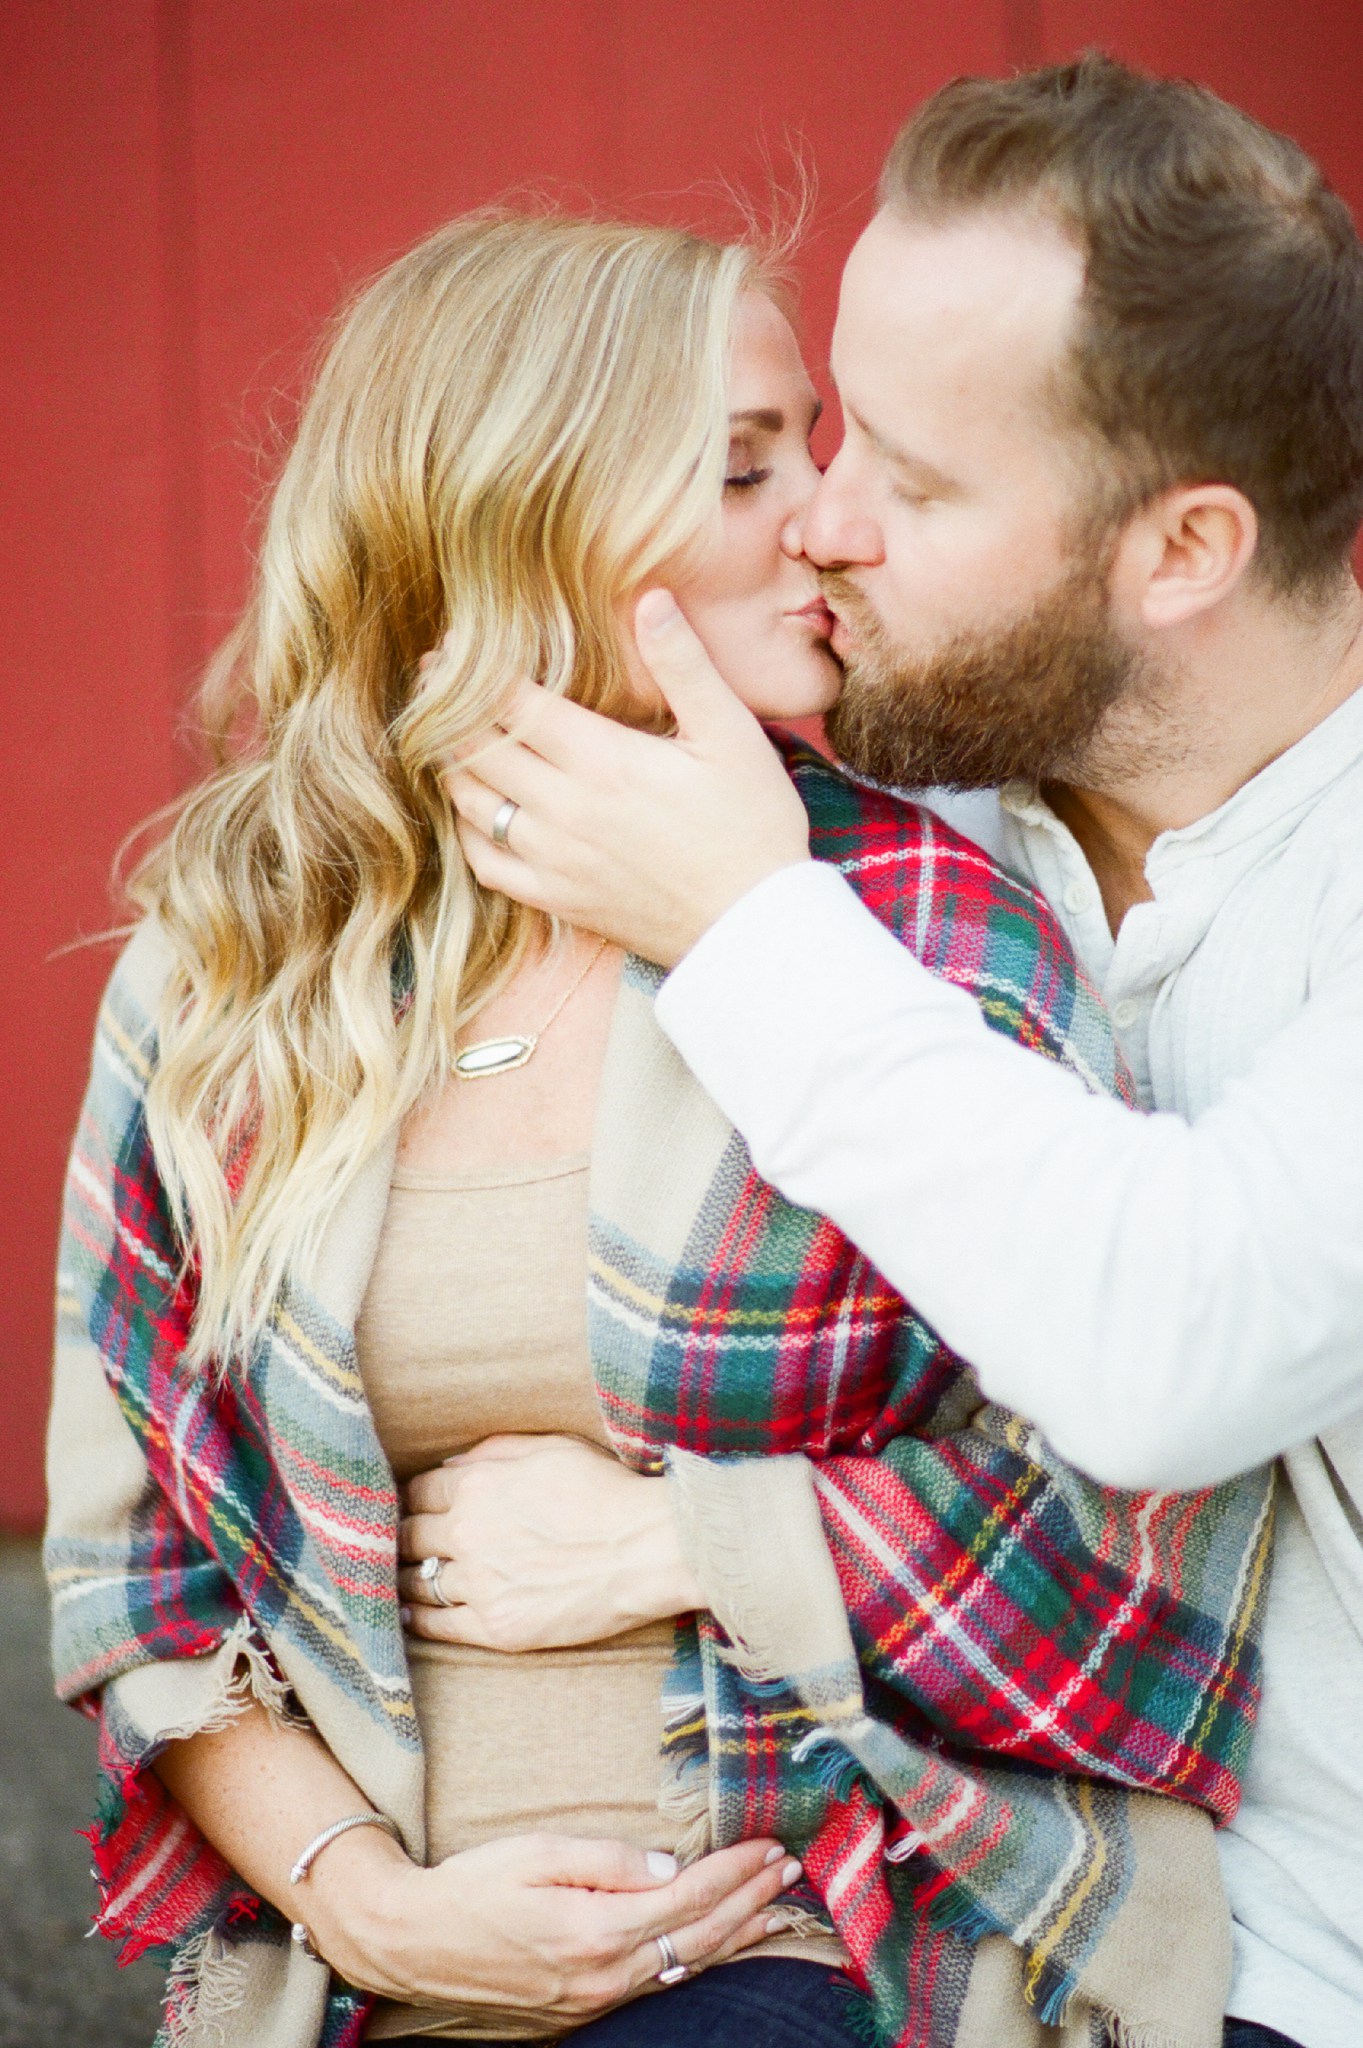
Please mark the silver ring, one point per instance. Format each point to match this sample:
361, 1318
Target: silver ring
501, 823
428, 1571
673, 1969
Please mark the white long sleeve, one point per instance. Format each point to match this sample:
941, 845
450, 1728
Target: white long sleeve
1170, 1296
1172, 1299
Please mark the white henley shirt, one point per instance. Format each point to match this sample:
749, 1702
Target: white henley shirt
1173, 1297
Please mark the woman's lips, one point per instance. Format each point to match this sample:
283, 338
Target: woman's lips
818, 616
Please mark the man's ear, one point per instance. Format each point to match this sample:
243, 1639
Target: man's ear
1183, 553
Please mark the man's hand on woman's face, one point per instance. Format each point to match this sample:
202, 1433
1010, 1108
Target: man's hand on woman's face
645, 840
547, 1541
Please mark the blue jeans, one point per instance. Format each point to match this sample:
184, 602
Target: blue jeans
1249, 2034
770, 2002
775, 2003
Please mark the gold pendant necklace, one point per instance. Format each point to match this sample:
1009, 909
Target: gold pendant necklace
504, 1055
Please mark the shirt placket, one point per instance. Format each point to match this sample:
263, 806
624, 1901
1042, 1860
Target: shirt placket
1128, 970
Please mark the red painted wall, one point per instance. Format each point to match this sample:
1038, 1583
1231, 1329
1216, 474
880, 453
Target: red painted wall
191, 184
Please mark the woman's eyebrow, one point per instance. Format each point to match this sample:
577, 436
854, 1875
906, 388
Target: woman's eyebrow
771, 419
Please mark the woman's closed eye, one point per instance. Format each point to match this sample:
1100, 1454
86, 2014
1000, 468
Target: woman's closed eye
746, 479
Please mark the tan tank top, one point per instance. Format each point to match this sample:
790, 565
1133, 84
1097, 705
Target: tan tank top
474, 1322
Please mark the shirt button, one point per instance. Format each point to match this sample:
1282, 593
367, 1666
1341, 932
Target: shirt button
1124, 1014
1080, 896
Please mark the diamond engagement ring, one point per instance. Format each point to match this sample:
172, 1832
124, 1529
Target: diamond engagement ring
428, 1571
673, 1969
501, 822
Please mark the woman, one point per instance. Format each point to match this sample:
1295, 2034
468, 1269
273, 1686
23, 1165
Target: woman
328, 1221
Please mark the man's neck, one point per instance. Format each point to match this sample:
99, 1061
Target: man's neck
1247, 691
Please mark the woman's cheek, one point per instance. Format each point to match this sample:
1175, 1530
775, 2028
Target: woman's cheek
736, 638
747, 562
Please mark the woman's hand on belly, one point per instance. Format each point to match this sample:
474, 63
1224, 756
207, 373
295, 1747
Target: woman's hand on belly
545, 1923
547, 1542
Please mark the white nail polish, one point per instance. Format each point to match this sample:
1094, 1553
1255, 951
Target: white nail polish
772, 1856
661, 1865
791, 1872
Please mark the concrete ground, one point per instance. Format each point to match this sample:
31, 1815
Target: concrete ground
57, 1990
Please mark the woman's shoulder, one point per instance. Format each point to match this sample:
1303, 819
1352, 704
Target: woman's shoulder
126, 1027
959, 912
113, 1188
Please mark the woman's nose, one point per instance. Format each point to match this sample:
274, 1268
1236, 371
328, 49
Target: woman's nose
792, 535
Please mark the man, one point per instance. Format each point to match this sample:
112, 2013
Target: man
1087, 542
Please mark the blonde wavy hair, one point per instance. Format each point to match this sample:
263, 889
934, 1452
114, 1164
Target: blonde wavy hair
516, 426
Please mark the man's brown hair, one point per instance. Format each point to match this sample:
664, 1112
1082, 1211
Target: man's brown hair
1219, 337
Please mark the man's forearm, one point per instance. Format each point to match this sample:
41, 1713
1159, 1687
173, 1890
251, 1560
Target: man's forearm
1133, 1284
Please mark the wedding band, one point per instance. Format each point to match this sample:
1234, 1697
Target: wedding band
673, 1969
501, 823
428, 1571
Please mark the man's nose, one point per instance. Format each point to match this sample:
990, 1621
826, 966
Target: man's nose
837, 529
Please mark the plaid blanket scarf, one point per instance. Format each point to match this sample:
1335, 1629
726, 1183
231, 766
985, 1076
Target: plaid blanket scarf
941, 1666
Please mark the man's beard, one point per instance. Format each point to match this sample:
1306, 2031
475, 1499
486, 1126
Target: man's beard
1026, 700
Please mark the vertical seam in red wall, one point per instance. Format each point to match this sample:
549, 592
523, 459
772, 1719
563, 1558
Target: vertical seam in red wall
1024, 34
182, 429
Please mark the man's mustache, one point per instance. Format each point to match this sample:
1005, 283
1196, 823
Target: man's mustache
837, 583
844, 596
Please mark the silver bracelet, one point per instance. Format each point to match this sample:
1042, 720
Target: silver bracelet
340, 1827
